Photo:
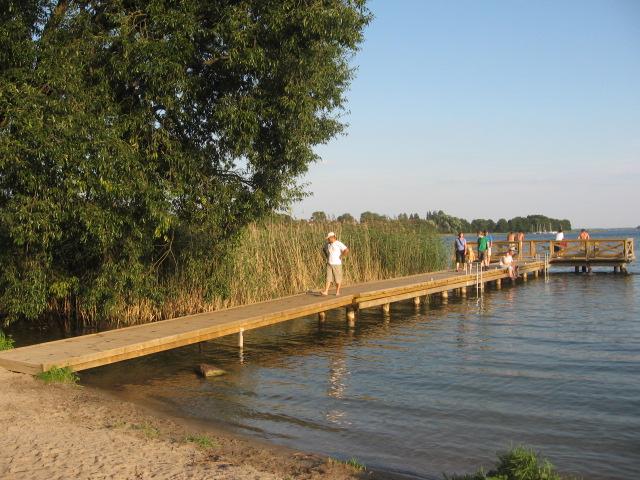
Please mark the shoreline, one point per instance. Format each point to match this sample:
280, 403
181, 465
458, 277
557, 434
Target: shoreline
55, 431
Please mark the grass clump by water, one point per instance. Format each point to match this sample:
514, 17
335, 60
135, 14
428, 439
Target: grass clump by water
353, 462
59, 375
6, 342
520, 463
202, 441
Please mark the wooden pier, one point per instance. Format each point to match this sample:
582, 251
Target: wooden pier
88, 351
112, 346
579, 254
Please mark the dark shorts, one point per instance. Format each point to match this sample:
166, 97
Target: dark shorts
459, 256
481, 255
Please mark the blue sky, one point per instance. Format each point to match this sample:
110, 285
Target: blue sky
489, 109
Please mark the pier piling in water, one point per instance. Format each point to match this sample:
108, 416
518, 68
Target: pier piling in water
351, 316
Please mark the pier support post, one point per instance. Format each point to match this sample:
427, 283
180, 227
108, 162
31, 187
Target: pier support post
499, 283
577, 269
351, 316
536, 274
445, 294
322, 316
386, 307
241, 338
525, 276
616, 269
623, 269
584, 269
463, 291
416, 301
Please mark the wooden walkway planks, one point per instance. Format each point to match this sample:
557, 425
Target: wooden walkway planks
112, 346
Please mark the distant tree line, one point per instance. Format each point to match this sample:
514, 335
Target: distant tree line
445, 223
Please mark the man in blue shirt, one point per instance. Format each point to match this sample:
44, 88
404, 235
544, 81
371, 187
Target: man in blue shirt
489, 245
460, 247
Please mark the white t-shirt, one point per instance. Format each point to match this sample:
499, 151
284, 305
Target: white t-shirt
506, 261
335, 249
559, 236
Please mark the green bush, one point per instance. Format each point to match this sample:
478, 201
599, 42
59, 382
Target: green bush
6, 342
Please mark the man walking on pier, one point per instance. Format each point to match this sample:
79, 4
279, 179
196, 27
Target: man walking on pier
460, 247
334, 250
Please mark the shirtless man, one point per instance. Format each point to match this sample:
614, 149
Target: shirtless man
584, 235
520, 239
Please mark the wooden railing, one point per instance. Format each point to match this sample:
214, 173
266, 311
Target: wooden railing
608, 249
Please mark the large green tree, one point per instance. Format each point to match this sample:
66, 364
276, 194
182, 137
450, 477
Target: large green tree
138, 136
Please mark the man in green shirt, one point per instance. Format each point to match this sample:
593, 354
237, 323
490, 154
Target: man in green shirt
483, 246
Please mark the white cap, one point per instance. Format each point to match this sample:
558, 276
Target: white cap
331, 234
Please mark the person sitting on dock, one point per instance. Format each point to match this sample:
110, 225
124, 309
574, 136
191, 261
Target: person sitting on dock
559, 239
460, 247
334, 250
509, 263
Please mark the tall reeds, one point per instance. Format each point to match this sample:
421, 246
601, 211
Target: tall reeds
279, 258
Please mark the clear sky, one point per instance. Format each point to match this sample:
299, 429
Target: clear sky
489, 109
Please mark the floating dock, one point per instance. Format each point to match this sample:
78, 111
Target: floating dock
112, 346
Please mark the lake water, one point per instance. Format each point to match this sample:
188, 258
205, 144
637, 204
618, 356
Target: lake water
553, 365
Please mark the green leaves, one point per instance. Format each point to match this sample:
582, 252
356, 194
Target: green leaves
133, 135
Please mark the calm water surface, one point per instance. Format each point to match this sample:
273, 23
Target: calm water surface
553, 365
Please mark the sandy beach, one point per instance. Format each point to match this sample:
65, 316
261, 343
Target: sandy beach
74, 432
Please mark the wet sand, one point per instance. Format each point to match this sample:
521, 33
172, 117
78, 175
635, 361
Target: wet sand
68, 431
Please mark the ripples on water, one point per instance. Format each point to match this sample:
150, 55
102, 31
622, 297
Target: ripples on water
438, 389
